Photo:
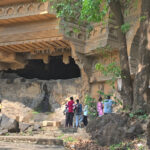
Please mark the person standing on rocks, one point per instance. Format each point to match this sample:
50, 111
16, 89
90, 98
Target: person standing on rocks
70, 106
108, 105
78, 112
85, 115
66, 113
100, 107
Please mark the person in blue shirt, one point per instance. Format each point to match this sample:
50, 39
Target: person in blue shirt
108, 105
78, 112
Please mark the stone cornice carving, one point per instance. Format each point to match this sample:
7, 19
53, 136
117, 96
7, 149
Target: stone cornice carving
101, 36
12, 2
24, 9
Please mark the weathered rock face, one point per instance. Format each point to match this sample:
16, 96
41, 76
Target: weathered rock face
112, 129
21, 96
9, 124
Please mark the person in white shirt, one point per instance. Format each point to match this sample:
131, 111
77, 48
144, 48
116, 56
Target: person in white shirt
85, 115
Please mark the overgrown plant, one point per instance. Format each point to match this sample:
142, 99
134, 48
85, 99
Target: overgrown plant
122, 145
92, 103
139, 114
112, 69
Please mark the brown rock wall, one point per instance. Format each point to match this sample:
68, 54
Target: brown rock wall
21, 96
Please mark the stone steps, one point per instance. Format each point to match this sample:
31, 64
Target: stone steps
32, 139
29, 146
51, 123
59, 130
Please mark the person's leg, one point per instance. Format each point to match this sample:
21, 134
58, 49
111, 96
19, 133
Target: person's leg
67, 120
71, 119
86, 121
77, 120
74, 121
80, 119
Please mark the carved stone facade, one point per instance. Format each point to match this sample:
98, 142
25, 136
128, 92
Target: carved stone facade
30, 30
23, 9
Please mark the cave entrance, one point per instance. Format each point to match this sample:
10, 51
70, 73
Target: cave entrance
54, 70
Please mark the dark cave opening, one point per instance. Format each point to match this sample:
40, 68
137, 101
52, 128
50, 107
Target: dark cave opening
55, 69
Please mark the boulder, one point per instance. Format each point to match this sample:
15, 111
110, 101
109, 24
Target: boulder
109, 129
134, 130
3, 132
113, 128
10, 124
36, 127
23, 126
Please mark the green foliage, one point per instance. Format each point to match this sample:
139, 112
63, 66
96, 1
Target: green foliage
76, 30
120, 146
112, 69
61, 136
69, 139
142, 18
92, 106
118, 101
30, 132
7, 134
139, 114
125, 27
69, 10
35, 112
91, 12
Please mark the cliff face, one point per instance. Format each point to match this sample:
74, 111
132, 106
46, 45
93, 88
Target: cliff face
21, 96
30, 31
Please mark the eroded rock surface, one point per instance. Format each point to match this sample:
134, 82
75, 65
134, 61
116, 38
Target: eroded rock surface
112, 129
21, 96
9, 124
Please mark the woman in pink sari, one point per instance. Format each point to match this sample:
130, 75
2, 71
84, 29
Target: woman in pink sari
100, 107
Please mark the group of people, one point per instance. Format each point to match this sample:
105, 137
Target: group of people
104, 107
75, 109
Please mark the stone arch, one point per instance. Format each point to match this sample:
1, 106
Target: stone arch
21, 9
1, 11
10, 11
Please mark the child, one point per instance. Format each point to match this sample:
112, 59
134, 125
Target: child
100, 107
85, 115
66, 114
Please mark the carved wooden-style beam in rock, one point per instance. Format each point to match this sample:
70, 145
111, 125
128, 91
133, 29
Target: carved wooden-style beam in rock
66, 58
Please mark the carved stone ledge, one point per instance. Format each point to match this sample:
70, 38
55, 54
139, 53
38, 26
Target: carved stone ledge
73, 31
25, 9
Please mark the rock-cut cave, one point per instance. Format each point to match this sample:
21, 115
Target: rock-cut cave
54, 70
